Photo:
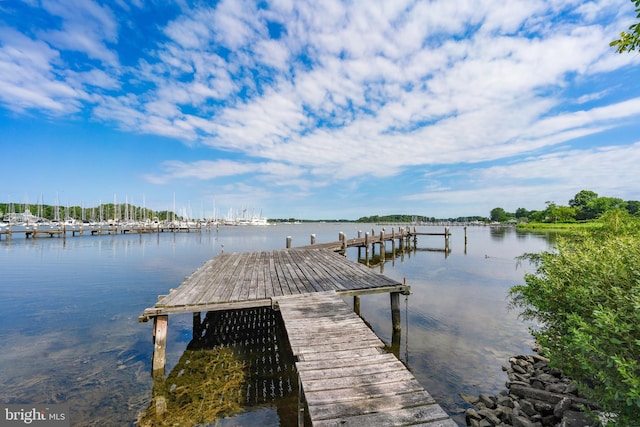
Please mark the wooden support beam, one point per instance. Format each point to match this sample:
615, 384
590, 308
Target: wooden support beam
356, 304
367, 243
160, 327
395, 311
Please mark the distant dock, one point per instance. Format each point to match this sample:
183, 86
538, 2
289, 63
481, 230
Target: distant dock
345, 376
63, 230
403, 237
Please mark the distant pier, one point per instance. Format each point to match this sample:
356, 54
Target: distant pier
64, 230
404, 237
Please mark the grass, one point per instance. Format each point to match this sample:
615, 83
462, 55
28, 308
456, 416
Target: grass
559, 226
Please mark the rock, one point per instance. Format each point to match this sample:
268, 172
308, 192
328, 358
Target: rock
489, 416
528, 408
471, 414
537, 396
576, 419
571, 389
519, 369
562, 406
518, 383
539, 358
488, 402
556, 388
523, 422
507, 414
503, 400
471, 400
537, 384
547, 378
549, 421
543, 408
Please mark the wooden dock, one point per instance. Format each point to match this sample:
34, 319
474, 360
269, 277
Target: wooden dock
345, 375
34, 230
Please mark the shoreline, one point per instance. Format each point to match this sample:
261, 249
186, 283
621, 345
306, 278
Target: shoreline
536, 396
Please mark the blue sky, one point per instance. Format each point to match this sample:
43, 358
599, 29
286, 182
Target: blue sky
314, 109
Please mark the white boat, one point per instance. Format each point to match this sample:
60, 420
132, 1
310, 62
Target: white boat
259, 220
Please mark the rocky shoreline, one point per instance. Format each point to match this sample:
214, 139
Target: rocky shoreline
538, 396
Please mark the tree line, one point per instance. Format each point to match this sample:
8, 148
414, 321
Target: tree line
586, 205
411, 219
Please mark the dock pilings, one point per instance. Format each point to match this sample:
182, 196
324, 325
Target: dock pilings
404, 239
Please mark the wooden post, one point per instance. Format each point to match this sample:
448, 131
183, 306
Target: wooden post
160, 326
343, 239
393, 242
395, 311
313, 239
356, 304
288, 242
366, 246
396, 338
446, 239
465, 240
382, 246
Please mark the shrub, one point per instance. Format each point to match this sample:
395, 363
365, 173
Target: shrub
586, 296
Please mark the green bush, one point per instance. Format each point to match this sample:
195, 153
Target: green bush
586, 296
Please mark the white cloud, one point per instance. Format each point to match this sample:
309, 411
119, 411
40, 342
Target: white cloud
529, 182
347, 90
27, 78
211, 169
86, 27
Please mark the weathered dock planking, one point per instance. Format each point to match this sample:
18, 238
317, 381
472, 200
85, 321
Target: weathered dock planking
251, 279
346, 377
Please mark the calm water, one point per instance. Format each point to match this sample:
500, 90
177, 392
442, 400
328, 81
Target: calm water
70, 332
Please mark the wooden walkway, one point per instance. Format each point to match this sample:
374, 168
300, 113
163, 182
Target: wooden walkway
251, 279
344, 373
346, 377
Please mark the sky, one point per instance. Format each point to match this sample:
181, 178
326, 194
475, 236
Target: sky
317, 109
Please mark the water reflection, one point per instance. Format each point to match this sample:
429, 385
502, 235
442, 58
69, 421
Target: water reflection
238, 361
500, 232
70, 332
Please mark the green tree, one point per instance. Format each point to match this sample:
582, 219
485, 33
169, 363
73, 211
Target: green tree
633, 206
586, 296
559, 213
629, 41
581, 202
600, 205
583, 198
499, 215
522, 213
537, 216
